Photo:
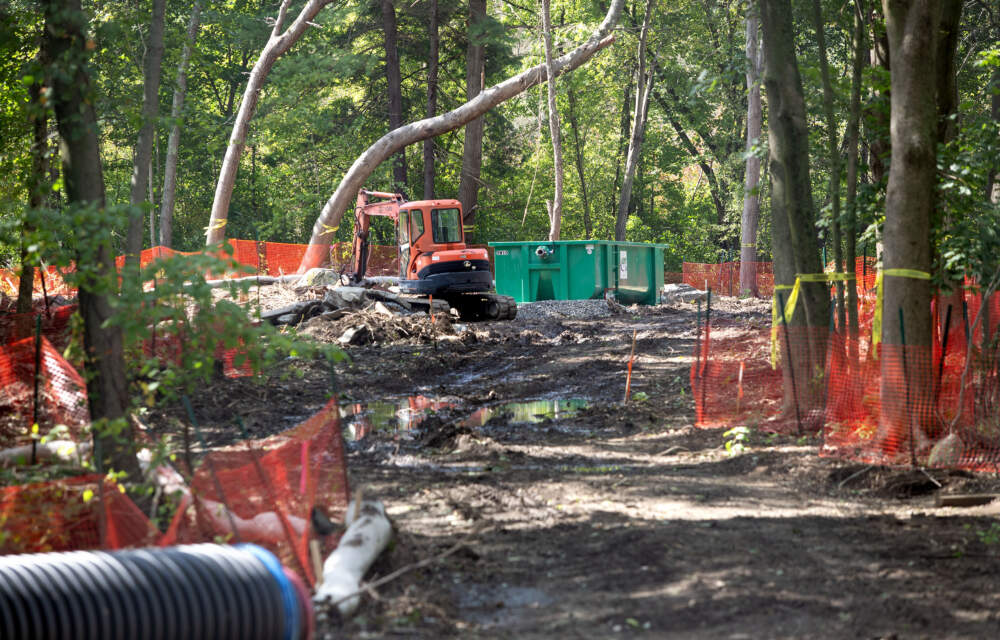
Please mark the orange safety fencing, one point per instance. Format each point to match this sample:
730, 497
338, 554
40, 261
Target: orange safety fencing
70, 514
936, 405
62, 396
263, 258
260, 491
269, 487
723, 278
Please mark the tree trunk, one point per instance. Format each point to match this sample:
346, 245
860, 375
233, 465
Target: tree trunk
555, 210
277, 44
37, 180
173, 142
911, 29
947, 120
794, 242
993, 186
643, 87
432, 94
368, 161
144, 145
851, 227
878, 129
472, 151
395, 91
623, 137
751, 182
66, 42
580, 142
834, 157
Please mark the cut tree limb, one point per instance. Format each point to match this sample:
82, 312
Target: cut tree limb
367, 535
388, 144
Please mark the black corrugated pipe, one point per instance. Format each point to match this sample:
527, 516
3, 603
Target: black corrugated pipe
204, 591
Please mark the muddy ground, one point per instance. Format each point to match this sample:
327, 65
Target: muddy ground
620, 520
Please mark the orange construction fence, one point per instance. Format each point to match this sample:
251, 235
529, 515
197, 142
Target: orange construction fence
261, 491
723, 278
263, 258
936, 405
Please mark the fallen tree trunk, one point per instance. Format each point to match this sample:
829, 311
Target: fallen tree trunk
368, 533
390, 143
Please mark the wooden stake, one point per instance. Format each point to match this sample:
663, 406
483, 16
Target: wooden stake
631, 359
317, 560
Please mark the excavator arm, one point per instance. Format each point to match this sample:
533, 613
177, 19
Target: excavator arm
363, 213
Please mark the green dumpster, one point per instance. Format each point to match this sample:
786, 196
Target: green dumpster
579, 270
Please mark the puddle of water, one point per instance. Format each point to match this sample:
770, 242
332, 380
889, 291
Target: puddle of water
403, 415
528, 412
400, 415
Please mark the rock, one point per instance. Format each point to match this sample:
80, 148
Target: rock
947, 452
317, 277
341, 297
682, 293
288, 318
357, 336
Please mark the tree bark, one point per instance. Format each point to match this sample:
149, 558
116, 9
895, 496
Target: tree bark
794, 241
878, 129
993, 186
367, 162
580, 142
911, 28
395, 91
833, 154
67, 44
853, 125
555, 210
947, 120
472, 151
37, 180
643, 87
277, 44
432, 94
623, 137
144, 145
168, 196
751, 183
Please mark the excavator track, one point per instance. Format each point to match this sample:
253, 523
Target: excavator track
483, 306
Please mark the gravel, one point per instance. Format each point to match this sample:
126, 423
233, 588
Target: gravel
561, 309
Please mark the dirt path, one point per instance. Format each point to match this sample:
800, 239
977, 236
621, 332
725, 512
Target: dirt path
616, 520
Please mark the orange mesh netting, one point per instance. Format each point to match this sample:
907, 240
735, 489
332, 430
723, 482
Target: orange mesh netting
269, 487
54, 283
84, 512
270, 258
724, 278
266, 488
62, 397
895, 405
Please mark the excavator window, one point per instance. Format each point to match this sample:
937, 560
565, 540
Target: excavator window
418, 225
446, 225
404, 228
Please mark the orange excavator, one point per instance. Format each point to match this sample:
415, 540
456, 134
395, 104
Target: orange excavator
433, 258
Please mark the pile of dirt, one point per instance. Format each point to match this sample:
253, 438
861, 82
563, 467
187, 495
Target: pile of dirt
369, 327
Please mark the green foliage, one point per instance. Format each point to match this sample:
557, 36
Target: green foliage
737, 440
